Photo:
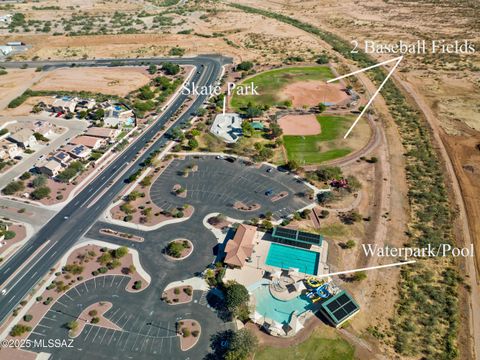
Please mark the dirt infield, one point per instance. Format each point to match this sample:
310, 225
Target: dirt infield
113, 81
311, 93
300, 125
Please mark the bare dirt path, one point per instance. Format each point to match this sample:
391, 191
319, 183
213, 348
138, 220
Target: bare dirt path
462, 219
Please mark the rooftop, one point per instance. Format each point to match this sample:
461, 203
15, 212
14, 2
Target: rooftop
240, 247
296, 236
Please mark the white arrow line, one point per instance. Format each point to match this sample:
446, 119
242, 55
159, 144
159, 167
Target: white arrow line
367, 268
224, 104
365, 69
398, 59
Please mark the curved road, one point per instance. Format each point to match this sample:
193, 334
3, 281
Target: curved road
64, 229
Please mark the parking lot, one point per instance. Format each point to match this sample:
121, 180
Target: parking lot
218, 184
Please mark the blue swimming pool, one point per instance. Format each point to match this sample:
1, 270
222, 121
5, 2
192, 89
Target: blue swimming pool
286, 257
270, 307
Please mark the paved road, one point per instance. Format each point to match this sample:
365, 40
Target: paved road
74, 219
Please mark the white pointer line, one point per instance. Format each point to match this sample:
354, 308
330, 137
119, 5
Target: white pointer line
365, 69
367, 268
398, 59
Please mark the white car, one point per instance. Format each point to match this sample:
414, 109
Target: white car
219, 157
4, 291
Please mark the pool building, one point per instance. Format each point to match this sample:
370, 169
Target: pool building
285, 273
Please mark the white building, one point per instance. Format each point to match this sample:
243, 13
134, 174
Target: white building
8, 150
5, 19
24, 138
5, 50
49, 167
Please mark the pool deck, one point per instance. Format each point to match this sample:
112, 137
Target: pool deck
253, 271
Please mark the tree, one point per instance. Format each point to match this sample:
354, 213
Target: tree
98, 114
276, 130
350, 244
72, 325
244, 343
152, 69
252, 111
192, 144
39, 181
13, 187
41, 193
137, 285
292, 165
322, 107
25, 176
329, 173
170, 68
353, 183
245, 66
19, 330
359, 276
323, 59
120, 252
247, 128
236, 296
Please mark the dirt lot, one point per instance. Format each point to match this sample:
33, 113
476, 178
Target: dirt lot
300, 125
112, 81
311, 93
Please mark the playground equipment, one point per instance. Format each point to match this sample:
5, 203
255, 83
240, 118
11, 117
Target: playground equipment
320, 292
313, 282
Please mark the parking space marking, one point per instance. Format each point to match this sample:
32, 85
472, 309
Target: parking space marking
33, 332
86, 287
103, 337
98, 330
90, 329
77, 291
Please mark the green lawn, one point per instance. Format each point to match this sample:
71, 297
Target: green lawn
315, 348
314, 149
270, 83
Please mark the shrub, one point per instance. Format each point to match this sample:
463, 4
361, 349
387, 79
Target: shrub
13, 187
137, 285
185, 332
19, 330
27, 317
195, 333
95, 320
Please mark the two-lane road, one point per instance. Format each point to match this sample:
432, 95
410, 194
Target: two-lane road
65, 228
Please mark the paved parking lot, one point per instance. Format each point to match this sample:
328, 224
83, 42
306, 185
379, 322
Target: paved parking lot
218, 184
148, 323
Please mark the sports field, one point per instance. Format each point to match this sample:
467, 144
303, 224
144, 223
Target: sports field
271, 83
328, 145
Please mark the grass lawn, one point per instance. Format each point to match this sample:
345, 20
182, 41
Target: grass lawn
316, 347
270, 83
315, 149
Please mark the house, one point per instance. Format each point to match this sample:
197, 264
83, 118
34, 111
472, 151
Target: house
118, 115
62, 157
8, 150
85, 104
105, 133
42, 127
24, 138
240, 248
64, 104
89, 141
78, 152
49, 167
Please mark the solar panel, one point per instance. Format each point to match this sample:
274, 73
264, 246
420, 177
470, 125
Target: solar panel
340, 314
350, 307
342, 299
295, 235
333, 306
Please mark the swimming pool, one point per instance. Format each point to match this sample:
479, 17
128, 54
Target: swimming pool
278, 310
285, 257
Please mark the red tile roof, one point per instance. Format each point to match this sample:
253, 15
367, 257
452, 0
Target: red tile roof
240, 248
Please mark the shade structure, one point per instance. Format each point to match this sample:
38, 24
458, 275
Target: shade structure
295, 323
276, 325
256, 317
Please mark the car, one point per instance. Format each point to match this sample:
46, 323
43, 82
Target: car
230, 159
65, 217
219, 157
269, 170
4, 291
269, 192
18, 157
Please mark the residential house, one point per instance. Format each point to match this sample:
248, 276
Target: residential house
118, 115
49, 167
62, 157
24, 138
64, 104
105, 133
78, 152
8, 150
89, 141
239, 249
42, 127
85, 104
